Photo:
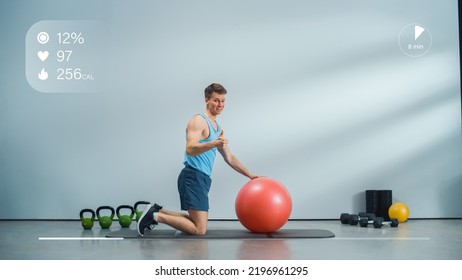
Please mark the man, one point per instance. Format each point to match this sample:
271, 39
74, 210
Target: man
203, 138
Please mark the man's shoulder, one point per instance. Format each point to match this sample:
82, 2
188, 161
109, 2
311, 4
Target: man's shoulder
199, 118
197, 121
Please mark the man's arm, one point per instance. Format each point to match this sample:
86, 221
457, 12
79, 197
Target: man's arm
195, 131
232, 161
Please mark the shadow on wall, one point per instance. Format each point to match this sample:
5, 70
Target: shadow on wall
359, 202
451, 194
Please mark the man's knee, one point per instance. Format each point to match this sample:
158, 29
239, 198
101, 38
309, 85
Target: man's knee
200, 232
200, 219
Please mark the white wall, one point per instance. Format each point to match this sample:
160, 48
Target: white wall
320, 97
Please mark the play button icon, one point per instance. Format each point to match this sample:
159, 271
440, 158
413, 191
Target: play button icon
418, 30
415, 40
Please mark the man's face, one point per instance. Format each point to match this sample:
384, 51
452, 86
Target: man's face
216, 103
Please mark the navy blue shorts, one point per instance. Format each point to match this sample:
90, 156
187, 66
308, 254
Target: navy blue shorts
194, 187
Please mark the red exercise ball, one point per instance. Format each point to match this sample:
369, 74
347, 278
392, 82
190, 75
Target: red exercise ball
263, 205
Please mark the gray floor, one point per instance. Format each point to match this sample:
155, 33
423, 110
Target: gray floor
415, 239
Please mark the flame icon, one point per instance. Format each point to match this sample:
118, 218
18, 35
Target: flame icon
43, 75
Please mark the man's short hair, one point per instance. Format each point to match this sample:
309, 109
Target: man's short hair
214, 88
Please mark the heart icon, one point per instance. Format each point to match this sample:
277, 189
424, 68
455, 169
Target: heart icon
43, 55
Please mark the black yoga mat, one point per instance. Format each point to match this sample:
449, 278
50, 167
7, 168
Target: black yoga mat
222, 234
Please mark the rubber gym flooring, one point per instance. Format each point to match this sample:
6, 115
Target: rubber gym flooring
439, 239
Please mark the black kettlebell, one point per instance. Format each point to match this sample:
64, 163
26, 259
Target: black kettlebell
87, 223
105, 221
139, 213
125, 220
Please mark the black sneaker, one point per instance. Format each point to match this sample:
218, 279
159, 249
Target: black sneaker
146, 220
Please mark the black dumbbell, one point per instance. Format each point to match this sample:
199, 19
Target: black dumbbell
353, 219
344, 218
364, 219
349, 219
366, 222
379, 222
371, 219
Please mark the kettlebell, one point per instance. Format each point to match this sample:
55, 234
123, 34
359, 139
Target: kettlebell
139, 213
87, 223
105, 221
125, 220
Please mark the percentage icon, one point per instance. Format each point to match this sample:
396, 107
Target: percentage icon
77, 38
67, 38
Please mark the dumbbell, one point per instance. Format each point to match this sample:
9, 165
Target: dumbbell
379, 222
345, 218
353, 219
105, 221
371, 220
367, 219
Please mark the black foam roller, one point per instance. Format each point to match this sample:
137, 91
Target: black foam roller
371, 201
384, 201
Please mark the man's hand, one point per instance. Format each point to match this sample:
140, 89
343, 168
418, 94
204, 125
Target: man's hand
221, 141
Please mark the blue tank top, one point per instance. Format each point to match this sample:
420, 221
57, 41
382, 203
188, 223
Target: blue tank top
204, 162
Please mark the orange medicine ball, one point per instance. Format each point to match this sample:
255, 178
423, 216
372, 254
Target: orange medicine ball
398, 210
